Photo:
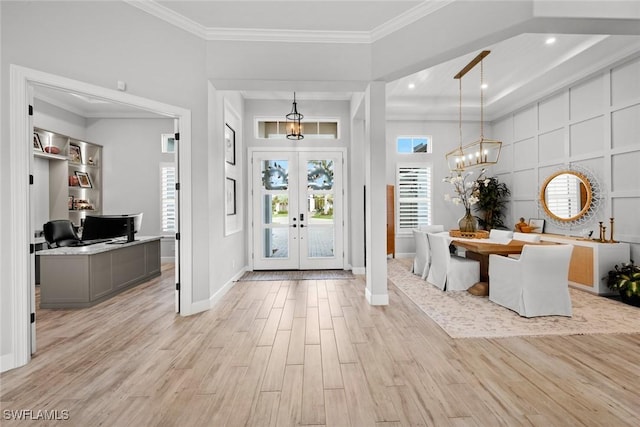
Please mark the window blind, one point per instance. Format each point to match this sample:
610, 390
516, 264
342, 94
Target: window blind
168, 197
414, 197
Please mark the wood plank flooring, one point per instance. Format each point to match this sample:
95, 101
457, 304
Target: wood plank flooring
310, 352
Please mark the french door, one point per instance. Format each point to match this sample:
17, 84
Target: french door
297, 210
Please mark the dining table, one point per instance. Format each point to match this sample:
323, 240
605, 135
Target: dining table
480, 249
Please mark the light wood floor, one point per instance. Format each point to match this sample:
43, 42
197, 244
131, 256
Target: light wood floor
311, 353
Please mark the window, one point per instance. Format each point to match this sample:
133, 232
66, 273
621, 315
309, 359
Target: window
413, 185
168, 143
317, 129
414, 144
168, 197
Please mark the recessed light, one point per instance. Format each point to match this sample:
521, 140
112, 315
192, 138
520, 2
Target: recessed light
412, 85
484, 86
550, 40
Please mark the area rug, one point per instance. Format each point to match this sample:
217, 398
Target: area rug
462, 315
296, 275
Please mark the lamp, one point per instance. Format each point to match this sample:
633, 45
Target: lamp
294, 127
482, 152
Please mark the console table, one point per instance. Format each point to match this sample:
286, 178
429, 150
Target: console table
591, 261
77, 277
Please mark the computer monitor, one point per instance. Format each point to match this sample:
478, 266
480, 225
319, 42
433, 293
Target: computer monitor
111, 226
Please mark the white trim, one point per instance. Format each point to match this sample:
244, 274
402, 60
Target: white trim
7, 362
410, 16
217, 297
376, 299
359, 270
21, 79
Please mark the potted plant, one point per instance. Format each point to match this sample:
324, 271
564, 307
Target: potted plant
626, 280
492, 201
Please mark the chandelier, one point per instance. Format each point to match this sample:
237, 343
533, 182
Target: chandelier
293, 126
482, 152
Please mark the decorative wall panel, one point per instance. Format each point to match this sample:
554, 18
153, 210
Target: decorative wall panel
586, 99
624, 170
587, 137
625, 83
525, 154
625, 126
551, 146
525, 124
552, 113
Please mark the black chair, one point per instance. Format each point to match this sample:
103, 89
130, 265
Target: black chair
59, 233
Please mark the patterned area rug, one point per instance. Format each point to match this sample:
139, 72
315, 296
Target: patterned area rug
463, 315
296, 275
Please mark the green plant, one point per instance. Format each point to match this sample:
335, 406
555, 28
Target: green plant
492, 201
626, 280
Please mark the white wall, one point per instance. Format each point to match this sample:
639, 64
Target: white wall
101, 43
131, 158
593, 123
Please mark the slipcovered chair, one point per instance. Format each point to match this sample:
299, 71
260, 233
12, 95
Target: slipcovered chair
537, 284
422, 259
450, 272
420, 264
59, 233
525, 237
501, 236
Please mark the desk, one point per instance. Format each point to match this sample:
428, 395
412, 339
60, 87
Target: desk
76, 277
479, 250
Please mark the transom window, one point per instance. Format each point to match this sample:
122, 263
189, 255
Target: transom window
414, 144
317, 129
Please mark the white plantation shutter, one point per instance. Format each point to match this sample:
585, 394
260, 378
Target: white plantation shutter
414, 197
168, 198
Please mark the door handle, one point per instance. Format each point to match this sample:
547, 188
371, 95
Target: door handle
301, 217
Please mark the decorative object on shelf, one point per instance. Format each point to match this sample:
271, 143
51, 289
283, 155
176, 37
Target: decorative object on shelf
83, 179
82, 205
51, 149
90, 161
294, 127
482, 152
626, 280
523, 226
478, 234
537, 225
70, 203
75, 154
468, 192
37, 144
571, 196
229, 144
73, 181
492, 203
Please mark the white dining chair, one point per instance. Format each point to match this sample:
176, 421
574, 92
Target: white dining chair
537, 284
437, 228
421, 260
450, 272
525, 237
501, 236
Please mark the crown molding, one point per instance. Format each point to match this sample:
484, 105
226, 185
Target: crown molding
408, 17
292, 36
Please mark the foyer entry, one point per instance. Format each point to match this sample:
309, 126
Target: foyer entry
297, 210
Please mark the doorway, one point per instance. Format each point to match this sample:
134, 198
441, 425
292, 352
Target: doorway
22, 79
297, 210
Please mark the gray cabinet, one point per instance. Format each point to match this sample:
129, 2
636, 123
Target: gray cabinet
83, 276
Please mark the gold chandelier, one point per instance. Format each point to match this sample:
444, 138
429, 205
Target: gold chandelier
482, 152
293, 124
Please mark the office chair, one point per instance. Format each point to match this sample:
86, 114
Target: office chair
59, 233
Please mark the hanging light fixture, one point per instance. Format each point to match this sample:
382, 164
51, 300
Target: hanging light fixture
482, 152
294, 127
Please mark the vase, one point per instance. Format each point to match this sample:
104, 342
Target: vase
467, 223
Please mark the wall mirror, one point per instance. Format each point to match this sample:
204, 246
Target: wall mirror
569, 196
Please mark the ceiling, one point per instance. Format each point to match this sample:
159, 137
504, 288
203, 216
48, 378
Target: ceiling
518, 71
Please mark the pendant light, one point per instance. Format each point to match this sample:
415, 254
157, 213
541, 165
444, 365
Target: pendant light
482, 152
293, 125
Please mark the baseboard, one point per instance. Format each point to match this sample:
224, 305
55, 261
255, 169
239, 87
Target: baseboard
215, 298
359, 270
167, 259
7, 362
405, 254
376, 299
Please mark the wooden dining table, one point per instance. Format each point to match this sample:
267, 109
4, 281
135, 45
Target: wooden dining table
480, 249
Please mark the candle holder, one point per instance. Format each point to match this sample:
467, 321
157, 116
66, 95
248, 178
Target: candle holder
601, 236
611, 231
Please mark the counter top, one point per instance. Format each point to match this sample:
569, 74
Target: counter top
96, 248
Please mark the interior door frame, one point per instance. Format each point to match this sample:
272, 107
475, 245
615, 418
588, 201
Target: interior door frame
345, 195
20, 236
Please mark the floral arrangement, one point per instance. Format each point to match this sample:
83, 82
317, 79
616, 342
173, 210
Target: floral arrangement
466, 188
